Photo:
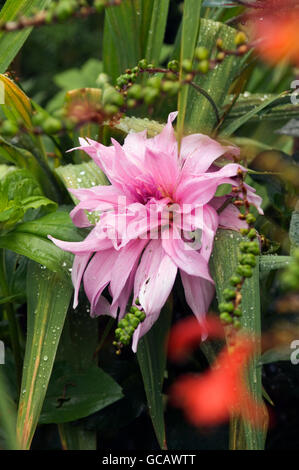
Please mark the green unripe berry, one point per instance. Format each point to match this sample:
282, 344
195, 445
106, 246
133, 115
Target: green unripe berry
237, 312
252, 234
220, 56
142, 64
173, 65
135, 92
244, 231
244, 270
150, 95
240, 38
131, 103
111, 109
244, 247
201, 53
38, 119
237, 323
111, 96
9, 128
235, 280
250, 219
253, 247
137, 301
118, 332
154, 82
64, 10
225, 317
226, 307
140, 315
99, 5
171, 88
229, 294
248, 258
129, 330
187, 65
203, 66
219, 43
123, 323
134, 310
51, 125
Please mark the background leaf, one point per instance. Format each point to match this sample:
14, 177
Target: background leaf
11, 43
224, 261
48, 301
151, 355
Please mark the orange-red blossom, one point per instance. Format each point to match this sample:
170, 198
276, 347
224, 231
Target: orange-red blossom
210, 398
275, 26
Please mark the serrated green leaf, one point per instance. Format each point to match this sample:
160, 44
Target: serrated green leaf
48, 300
151, 355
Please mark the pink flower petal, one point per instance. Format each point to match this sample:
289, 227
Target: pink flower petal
198, 293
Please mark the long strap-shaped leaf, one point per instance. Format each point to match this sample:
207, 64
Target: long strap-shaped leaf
190, 30
48, 301
151, 355
223, 264
7, 415
11, 43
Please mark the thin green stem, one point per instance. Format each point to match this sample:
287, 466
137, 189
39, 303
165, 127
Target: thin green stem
12, 322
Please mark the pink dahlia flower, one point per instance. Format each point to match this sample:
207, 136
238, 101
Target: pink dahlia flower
158, 216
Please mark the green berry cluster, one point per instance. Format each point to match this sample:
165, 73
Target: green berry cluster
164, 81
290, 277
127, 326
200, 64
230, 311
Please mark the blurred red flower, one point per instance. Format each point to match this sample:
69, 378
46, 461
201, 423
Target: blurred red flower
275, 26
210, 398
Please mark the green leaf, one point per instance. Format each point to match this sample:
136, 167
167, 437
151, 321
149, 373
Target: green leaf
85, 175
19, 185
40, 250
11, 43
8, 415
48, 300
200, 116
17, 105
223, 263
155, 34
271, 262
75, 437
237, 123
190, 30
276, 354
133, 31
294, 228
223, 189
151, 355
280, 109
58, 224
121, 37
86, 392
10, 298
